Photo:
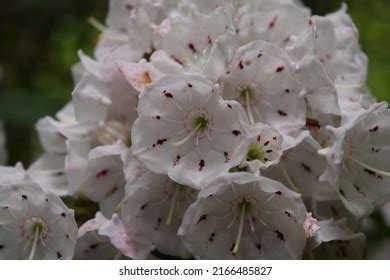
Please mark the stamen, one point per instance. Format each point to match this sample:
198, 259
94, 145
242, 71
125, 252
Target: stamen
189, 136
248, 104
95, 23
365, 165
38, 229
240, 228
288, 178
355, 86
173, 204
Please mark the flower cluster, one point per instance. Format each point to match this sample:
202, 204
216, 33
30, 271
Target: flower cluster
208, 129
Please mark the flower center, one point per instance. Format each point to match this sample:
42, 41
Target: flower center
255, 152
200, 124
36, 229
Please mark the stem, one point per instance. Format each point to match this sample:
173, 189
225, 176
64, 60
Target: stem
173, 204
35, 243
293, 186
365, 165
188, 137
95, 23
248, 107
240, 229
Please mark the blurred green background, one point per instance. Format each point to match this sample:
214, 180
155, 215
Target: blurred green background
39, 43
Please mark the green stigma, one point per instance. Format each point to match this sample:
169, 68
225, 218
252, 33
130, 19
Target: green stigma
255, 153
37, 227
244, 203
246, 92
201, 123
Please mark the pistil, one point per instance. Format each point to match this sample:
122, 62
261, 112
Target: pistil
173, 204
240, 227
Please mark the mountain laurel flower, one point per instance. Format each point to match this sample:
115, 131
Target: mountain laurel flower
34, 224
208, 129
242, 216
187, 131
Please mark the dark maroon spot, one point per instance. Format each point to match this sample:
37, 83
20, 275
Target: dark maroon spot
374, 129
176, 161
158, 117
129, 7
201, 165
161, 141
265, 159
342, 193
280, 235
230, 106
211, 238
143, 206
274, 138
312, 124
1, 247
288, 214
236, 132
226, 155
359, 190
209, 40
63, 214
370, 172
272, 22
168, 94
24, 197
59, 255
259, 55
240, 65
258, 247
189, 85
258, 138
67, 236
375, 150
268, 151
93, 246
280, 69
282, 113
192, 47
176, 59
307, 168
202, 218
310, 22
46, 199
287, 90
266, 143
278, 192
102, 173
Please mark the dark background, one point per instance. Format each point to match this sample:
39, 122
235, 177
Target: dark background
39, 40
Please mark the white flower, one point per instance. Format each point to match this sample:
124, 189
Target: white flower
334, 240
265, 149
270, 20
262, 79
186, 130
300, 167
153, 211
242, 216
34, 224
96, 173
357, 166
90, 244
